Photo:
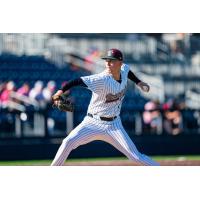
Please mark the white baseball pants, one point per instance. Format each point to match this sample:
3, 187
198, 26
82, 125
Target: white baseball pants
91, 129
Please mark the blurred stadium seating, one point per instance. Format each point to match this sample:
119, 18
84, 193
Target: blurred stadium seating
174, 59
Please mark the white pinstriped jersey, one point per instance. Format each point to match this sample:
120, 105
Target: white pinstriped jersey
107, 93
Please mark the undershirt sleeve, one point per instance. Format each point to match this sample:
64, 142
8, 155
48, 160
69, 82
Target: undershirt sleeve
132, 77
72, 83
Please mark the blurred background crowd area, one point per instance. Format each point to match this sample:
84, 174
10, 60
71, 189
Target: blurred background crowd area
34, 66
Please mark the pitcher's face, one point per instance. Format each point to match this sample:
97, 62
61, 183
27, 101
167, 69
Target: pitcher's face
113, 65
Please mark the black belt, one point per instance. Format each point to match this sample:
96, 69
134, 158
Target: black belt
103, 118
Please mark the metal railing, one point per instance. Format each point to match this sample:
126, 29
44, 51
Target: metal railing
39, 124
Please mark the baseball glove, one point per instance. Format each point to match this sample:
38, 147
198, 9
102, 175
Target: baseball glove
63, 103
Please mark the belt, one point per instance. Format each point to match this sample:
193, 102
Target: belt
103, 118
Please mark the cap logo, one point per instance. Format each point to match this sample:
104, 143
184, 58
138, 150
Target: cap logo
113, 54
110, 53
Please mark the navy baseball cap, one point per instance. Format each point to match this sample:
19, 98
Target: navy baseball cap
113, 54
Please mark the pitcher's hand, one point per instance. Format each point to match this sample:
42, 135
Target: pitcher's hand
144, 86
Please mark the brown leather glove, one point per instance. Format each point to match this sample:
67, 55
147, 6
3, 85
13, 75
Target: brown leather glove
62, 102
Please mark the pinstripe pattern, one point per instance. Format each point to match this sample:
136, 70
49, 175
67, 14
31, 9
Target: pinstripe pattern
106, 101
101, 85
111, 132
126, 145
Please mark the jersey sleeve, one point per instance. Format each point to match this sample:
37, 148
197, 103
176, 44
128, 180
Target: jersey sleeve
125, 68
95, 82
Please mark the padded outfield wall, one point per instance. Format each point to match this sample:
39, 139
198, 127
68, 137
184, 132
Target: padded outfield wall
37, 148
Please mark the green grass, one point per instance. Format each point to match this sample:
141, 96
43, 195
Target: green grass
188, 157
25, 163
48, 162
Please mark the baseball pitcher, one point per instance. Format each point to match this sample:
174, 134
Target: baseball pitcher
102, 121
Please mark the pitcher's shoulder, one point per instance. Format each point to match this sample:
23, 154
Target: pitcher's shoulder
97, 77
125, 67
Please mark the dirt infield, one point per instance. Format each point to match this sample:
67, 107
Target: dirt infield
129, 163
